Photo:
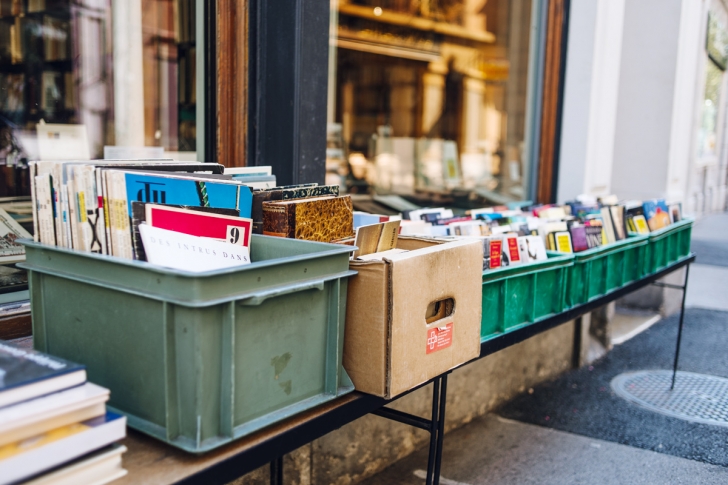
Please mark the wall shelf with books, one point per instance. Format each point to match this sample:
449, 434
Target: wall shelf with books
36, 67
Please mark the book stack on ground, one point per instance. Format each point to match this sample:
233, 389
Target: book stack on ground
54, 427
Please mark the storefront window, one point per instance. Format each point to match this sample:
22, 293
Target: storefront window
84, 79
430, 96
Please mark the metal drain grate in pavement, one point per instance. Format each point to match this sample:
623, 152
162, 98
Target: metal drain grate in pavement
697, 397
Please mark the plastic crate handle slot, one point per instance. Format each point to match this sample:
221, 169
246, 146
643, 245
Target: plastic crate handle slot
283, 290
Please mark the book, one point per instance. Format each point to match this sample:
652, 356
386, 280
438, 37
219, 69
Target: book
364, 218
578, 238
125, 187
10, 232
657, 213
496, 253
231, 229
563, 242
675, 211
617, 214
593, 236
535, 248
30, 418
27, 374
608, 226
288, 192
24, 459
102, 466
640, 224
190, 253
511, 248
321, 219
375, 238
139, 216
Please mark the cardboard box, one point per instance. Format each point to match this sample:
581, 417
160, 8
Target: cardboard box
396, 336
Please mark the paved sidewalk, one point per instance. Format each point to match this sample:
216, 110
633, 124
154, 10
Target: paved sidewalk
494, 450
574, 430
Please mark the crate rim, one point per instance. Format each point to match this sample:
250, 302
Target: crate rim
631, 241
335, 249
555, 259
672, 228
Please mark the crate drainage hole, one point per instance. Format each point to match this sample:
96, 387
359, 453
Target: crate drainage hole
698, 398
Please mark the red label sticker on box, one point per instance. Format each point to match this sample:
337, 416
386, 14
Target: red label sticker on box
439, 338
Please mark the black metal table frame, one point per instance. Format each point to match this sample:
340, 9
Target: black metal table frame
272, 450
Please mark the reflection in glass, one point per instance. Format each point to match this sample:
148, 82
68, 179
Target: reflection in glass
80, 75
708, 131
432, 94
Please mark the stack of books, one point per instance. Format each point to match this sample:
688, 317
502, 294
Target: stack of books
54, 427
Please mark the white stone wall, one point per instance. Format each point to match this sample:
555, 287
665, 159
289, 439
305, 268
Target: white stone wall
634, 91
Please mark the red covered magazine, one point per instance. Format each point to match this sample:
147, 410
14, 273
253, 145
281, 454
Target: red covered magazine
235, 230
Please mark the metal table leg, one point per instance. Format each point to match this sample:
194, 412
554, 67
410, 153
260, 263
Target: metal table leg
680, 327
276, 471
684, 289
435, 426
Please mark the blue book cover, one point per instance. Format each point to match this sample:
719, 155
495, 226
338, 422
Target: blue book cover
189, 192
653, 207
21, 367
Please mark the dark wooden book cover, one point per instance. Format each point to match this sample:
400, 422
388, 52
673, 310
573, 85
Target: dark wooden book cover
322, 219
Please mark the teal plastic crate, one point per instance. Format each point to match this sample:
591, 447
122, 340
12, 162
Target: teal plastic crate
601, 270
515, 296
668, 245
199, 359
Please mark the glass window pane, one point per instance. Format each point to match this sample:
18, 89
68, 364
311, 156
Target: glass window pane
77, 76
708, 132
430, 95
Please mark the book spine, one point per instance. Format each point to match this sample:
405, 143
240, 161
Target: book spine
82, 226
107, 211
65, 207
101, 217
57, 214
72, 208
123, 231
45, 214
32, 168
259, 197
276, 220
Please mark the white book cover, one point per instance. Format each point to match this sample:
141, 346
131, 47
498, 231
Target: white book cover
44, 209
190, 253
101, 467
36, 416
23, 459
536, 248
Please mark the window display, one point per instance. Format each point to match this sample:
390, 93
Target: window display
432, 96
85, 75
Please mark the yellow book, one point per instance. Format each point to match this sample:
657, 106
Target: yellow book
563, 242
641, 224
28, 444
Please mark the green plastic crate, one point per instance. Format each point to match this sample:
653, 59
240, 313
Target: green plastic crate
668, 245
515, 296
199, 359
601, 270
